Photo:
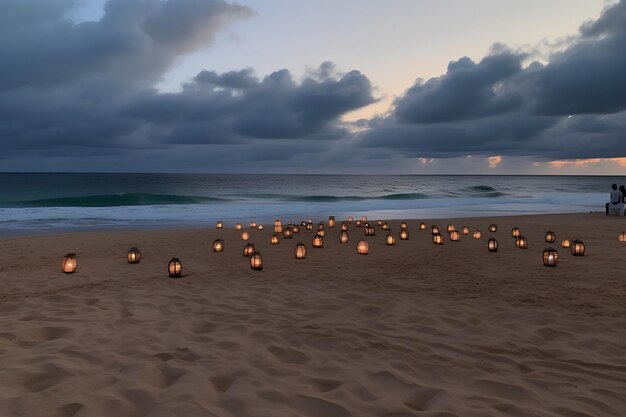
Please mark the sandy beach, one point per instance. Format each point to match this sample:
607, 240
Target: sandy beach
407, 330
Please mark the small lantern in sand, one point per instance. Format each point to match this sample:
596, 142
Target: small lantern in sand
492, 245
379, 222
274, 239
343, 237
465, 230
260, 227
278, 226
134, 255
248, 250
521, 242
422, 226
295, 229
253, 225
70, 263
174, 268
362, 247
300, 251
370, 230
493, 228
318, 241
320, 226
364, 219
384, 226
256, 261
218, 245
438, 239
550, 257
322, 233
245, 236
331, 221
350, 219
404, 234
515, 232
344, 227
404, 225
219, 225
287, 233
566, 243
238, 226
451, 228
390, 239
455, 236
550, 236
477, 234
622, 237
359, 223
309, 226
434, 229
578, 248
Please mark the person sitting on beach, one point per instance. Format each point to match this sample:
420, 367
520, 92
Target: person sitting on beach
616, 198
622, 189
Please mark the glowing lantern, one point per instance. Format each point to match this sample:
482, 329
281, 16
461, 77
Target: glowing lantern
300, 251
343, 237
248, 250
434, 229
219, 225
344, 227
70, 263
295, 229
238, 226
390, 239
370, 230
287, 234
318, 241
403, 225
438, 239
364, 219
274, 239
309, 226
359, 223
379, 222
256, 261
578, 248
245, 236
350, 219
451, 228
218, 245
521, 242
362, 247
133, 256
477, 234
278, 226
331, 221
253, 225
550, 236
493, 228
492, 245
566, 243
465, 230
550, 257
309, 220
455, 236
622, 237
384, 226
174, 268
422, 226
260, 227
516, 232
404, 234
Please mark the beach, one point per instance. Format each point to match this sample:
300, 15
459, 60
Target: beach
413, 329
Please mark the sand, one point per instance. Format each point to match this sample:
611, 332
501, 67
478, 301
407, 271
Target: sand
409, 330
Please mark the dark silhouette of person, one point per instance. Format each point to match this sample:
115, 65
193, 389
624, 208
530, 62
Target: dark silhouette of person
616, 198
623, 191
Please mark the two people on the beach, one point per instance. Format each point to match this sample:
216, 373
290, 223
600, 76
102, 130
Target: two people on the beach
618, 200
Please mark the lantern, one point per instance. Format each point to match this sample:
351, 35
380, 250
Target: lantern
253, 225
359, 223
287, 234
309, 226
320, 226
278, 226
379, 222
295, 229
465, 230
309, 220
331, 221
245, 236
218, 245
274, 239
437, 239
403, 225
521, 242
578, 248
434, 229
492, 245
174, 268
322, 233
219, 225
344, 227
260, 227
550, 257
422, 226
516, 232
477, 234
362, 248
300, 251
455, 236
566, 243
622, 237
404, 234
451, 228
343, 237
238, 226
350, 219
70, 263
364, 219
318, 241
550, 236
248, 250
369, 230
493, 228
384, 226
390, 239
134, 255
256, 261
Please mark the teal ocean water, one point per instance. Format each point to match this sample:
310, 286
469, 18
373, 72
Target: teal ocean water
33, 203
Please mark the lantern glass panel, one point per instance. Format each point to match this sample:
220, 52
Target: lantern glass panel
218, 245
492, 245
70, 263
455, 236
521, 242
466, 230
438, 239
404, 234
550, 257
493, 228
318, 241
516, 232
248, 250
256, 261
550, 236
300, 251
134, 255
174, 268
390, 239
578, 248
477, 234
362, 247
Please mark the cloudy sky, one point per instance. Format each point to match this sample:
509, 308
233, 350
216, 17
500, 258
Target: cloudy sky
281, 86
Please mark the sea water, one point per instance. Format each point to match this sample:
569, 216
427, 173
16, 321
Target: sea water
33, 203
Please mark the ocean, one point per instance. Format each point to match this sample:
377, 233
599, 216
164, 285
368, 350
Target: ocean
36, 203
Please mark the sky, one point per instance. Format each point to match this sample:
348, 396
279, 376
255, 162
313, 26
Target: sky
294, 86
